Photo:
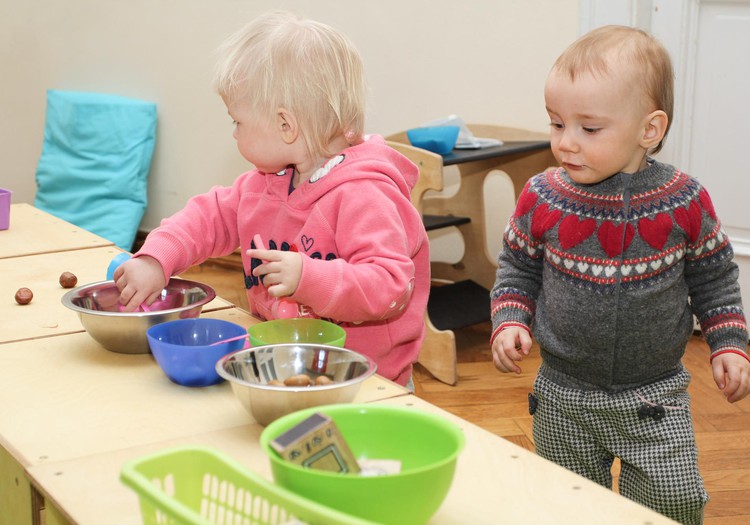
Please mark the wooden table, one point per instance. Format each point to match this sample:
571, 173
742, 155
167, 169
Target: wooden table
62, 396
71, 413
46, 315
35, 231
496, 482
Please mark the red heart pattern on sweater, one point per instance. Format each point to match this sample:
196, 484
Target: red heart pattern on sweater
543, 220
573, 231
707, 204
655, 231
610, 236
526, 201
689, 219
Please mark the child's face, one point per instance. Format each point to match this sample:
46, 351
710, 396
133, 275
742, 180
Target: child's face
258, 140
597, 124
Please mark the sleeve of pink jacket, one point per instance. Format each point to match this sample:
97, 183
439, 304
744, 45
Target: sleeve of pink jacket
206, 227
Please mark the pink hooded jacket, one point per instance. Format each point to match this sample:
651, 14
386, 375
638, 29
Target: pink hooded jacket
364, 247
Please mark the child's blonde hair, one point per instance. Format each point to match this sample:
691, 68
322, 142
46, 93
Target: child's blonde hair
310, 69
603, 48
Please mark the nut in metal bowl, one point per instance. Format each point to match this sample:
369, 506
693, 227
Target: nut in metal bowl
101, 315
250, 370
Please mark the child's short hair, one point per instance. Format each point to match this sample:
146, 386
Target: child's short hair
648, 59
282, 60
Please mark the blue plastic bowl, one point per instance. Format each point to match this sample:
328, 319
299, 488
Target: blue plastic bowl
182, 348
438, 139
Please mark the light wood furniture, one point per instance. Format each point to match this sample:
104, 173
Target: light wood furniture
499, 404
522, 155
35, 231
65, 398
46, 315
71, 412
438, 352
495, 482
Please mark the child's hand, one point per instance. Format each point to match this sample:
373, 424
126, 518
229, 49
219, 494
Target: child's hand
732, 375
510, 345
281, 271
139, 280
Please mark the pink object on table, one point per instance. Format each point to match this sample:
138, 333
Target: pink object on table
283, 308
4, 209
229, 340
259, 242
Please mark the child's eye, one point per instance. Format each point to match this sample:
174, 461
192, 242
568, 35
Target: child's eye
556, 125
590, 130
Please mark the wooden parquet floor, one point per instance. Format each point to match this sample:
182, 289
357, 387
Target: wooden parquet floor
498, 403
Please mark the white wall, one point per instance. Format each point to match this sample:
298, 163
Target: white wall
485, 60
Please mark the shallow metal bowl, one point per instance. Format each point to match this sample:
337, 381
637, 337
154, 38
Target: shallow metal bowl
250, 370
101, 315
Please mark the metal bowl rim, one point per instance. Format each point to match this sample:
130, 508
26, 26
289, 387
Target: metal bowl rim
68, 302
372, 368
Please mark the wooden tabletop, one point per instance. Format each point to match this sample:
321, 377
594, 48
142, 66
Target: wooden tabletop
65, 397
496, 482
34, 231
71, 412
46, 315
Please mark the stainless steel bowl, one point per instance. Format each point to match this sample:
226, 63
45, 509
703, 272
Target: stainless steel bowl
250, 370
100, 312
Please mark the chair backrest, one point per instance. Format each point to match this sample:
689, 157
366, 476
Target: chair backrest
95, 160
430, 170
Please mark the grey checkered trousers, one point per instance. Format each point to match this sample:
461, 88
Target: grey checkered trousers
585, 430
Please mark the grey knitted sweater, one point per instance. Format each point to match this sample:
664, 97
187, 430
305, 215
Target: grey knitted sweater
608, 276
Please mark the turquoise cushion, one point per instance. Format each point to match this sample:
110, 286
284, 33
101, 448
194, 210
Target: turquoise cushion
95, 160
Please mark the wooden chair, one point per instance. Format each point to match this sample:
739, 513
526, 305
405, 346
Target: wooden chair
438, 352
527, 153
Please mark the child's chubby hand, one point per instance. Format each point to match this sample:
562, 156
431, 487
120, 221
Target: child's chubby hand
140, 280
510, 346
732, 375
281, 271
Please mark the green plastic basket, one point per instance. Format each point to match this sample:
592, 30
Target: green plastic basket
200, 486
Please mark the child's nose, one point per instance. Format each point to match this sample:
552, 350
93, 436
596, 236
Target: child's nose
567, 141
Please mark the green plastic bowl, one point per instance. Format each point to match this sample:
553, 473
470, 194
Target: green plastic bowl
297, 330
426, 444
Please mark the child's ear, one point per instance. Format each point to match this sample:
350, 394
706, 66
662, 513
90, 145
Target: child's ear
288, 126
654, 129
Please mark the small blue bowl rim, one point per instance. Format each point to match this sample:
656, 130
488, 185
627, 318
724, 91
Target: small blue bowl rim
163, 349
152, 331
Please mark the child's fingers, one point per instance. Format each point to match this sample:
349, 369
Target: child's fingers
504, 364
130, 299
732, 376
719, 373
264, 255
525, 342
738, 384
505, 358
